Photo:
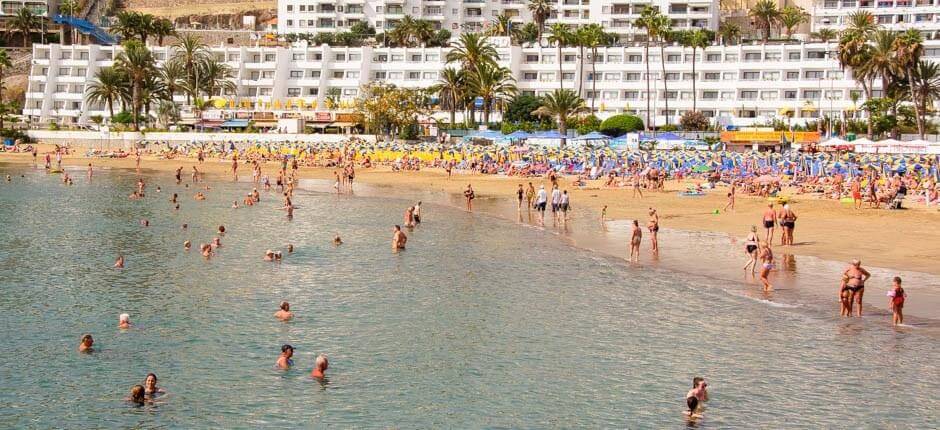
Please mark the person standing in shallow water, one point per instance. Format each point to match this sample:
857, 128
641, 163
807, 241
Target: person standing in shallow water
284, 312
653, 226
896, 298
87, 344
284, 361
636, 237
767, 264
470, 195
856, 283
399, 239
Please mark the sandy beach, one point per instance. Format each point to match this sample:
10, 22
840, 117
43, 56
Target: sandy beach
906, 240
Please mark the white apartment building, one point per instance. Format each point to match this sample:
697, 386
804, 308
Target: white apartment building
736, 85
618, 16
39, 7
899, 15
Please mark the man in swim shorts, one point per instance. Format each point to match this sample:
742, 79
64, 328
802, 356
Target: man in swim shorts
769, 220
284, 313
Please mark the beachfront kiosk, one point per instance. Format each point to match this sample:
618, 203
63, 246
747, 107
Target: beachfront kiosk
766, 139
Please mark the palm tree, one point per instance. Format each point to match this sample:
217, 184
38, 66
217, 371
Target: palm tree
492, 83
648, 21
127, 24
163, 28
472, 51
173, 74
215, 75
69, 7
109, 85
579, 38
144, 26
561, 105
792, 16
450, 88
501, 26
825, 35
541, 10
927, 81
527, 33
662, 27
138, 63
881, 62
909, 47
593, 37
24, 22
765, 15
855, 52
729, 32
695, 39
561, 36
5, 64
422, 31
862, 22
190, 51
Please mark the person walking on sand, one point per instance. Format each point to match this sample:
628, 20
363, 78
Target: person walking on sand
636, 237
470, 195
636, 185
896, 297
856, 283
857, 193
767, 264
731, 192
235, 167
530, 197
750, 248
653, 226
769, 220
556, 204
520, 194
541, 199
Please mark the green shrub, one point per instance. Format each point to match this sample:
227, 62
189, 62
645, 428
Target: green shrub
123, 117
520, 109
617, 125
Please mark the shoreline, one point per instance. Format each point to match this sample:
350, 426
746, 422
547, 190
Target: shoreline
681, 244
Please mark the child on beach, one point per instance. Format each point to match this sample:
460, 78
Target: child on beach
896, 301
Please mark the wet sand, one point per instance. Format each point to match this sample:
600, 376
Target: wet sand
693, 239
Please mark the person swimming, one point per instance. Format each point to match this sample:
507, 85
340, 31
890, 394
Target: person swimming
319, 371
221, 230
337, 240
86, 344
150, 385
119, 263
145, 222
696, 397
284, 361
187, 245
290, 248
137, 395
124, 321
216, 242
284, 313
269, 255
399, 239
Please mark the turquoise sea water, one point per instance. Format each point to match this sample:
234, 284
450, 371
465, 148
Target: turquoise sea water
479, 324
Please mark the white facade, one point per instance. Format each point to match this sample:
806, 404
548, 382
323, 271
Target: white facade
617, 16
898, 15
739, 85
12, 7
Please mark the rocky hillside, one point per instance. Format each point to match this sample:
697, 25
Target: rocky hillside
175, 9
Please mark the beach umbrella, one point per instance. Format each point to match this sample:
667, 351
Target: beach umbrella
518, 134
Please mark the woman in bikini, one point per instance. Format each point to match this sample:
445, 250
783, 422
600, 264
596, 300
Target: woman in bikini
767, 264
856, 283
750, 248
635, 239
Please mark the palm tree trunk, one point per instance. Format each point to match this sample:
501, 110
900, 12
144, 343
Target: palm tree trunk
580, 70
562, 130
646, 58
135, 105
662, 59
453, 114
917, 117
561, 83
868, 92
111, 107
694, 92
2, 114
594, 74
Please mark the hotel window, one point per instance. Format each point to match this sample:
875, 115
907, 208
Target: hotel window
729, 76
380, 58
290, 8
547, 76
381, 75
634, 58
296, 73
254, 76
395, 75
303, 8
793, 56
711, 76
631, 76
591, 95
792, 76
352, 74
355, 57
567, 76
834, 94
815, 55
813, 74
709, 95
772, 56
835, 74
748, 95
414, 75
432, 57
63, 71
233, 57
673, 58
614, 59
268, 74
771, 76
317, 56
752, 56
264, 91
769, 95
315, 74
269, 57
293, 92
340, 57
290, 23
65, 56
672, 76
750, 76
670, 95
731, 58
313, 91
532, 58
429, 75
811, 94
685, 95
630, 95
789, 95
350, 91
686, 76
297, 56
609, 95
612, 76
415, 58
338, 74
80, 71
61, 88
713, 58
530, 76
396, 58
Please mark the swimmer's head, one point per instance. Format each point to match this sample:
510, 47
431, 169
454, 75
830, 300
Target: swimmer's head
221, 229
151, 380
397, 227
697, 380
124, 318
692, 403
285, 306
322, 363
290, 247
137, 394
287, 350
